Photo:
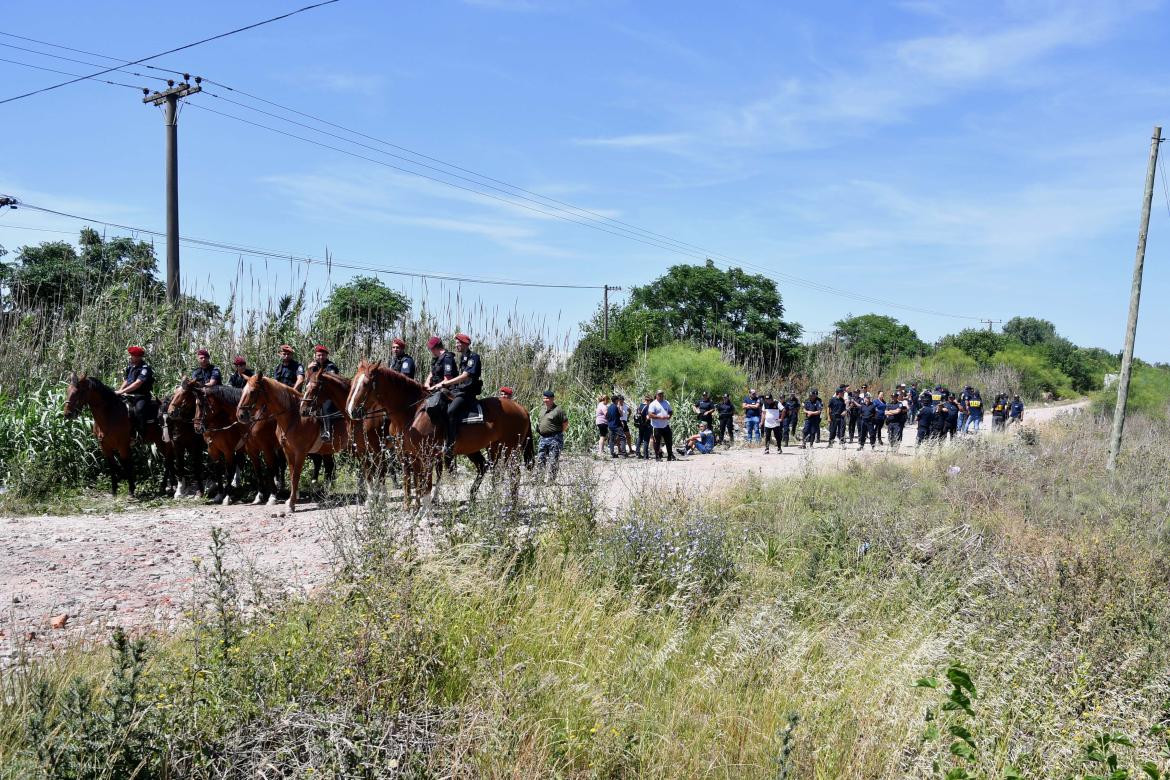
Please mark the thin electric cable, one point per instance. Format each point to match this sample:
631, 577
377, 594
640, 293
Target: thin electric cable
79, 62
83, 51
67, 73
169, 51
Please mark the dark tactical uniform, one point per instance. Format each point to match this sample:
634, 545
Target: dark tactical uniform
238, 380
139, 400
463, 395
287, 371
329, 411
706, 412
913, 391
867, 417
812, 423
853, 414
925, 416
443, 367
897, 421
951, 414
404, 365
836, 420
726, 412
205, 375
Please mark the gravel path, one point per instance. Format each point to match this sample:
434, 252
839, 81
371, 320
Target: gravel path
136, 568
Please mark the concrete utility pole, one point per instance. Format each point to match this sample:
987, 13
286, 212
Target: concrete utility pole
1135, 295
605, 310
170, 99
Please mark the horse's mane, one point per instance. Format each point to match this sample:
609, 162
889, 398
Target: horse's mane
225, 394
286, 395
405, 383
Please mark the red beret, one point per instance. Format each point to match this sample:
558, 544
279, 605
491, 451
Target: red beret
506, 391
239, 361
202, 353
136, 351
321, 348
286, 348
434, 341
399, 343
463, 338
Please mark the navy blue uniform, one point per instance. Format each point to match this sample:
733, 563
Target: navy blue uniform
706, 409
463, 395
404, 365
329, 410
925, 417
287, 371
443, 367
239, 379
867, 418
140, 398
896, 414
205, 375
726, 412
812, 423
837, 407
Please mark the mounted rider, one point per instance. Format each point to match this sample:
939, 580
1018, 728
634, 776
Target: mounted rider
329, 411
289, 371
205, 373
239, 377
464, 388
399, 360
136, 388
443, 367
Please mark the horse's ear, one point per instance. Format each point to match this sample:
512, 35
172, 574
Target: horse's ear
376, 364
72, 378
260, 373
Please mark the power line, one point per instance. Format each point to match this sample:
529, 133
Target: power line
83, 51
168, 51
79, 62
790, 278
308, 260
66, 73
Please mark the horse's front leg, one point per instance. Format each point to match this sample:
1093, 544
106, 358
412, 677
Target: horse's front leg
296, 463
229, 478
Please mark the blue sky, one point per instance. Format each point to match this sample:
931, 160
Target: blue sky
979, 159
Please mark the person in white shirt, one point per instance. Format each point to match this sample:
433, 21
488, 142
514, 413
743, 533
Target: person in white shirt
773, 413
660, 413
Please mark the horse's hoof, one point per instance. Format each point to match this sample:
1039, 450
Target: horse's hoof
227, 500
272, 501
259, 499
291, 507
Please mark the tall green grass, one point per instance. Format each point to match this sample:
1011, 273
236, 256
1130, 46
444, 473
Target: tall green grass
773, 630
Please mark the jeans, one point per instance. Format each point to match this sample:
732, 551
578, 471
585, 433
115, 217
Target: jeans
812, 428
549, 449
751, 427
663, 436
703, 448
895, 431
645, 435
726, 427
617, 442
973, 424
962, 426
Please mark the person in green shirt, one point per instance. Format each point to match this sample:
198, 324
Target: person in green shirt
551, 427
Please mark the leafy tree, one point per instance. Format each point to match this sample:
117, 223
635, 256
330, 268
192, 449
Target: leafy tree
356, 313
1029, 330
1037, 373
740, 313
979, 344
878, 336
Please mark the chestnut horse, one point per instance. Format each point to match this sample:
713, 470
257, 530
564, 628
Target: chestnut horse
111, 426
177, 413
505, 431
265, 398
369, 445
215, 420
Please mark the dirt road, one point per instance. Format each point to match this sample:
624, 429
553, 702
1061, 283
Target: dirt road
135, 568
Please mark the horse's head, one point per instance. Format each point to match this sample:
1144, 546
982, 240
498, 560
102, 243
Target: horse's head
76, 395
311, 390
364, 381
254, 398
185, 397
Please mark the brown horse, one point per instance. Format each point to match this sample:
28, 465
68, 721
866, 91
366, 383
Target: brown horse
370, 445
177, 413
505, 431
226, 437
111, 426
265, 398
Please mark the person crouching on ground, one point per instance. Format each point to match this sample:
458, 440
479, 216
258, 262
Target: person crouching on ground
702, 442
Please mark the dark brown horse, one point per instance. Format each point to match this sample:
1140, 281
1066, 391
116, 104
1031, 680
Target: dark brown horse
228, 440
299, 436
504, 433
177, 413
112, 427
368, 437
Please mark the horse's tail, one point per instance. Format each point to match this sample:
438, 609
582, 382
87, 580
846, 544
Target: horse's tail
529, 454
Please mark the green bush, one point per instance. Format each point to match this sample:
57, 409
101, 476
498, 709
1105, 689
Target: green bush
1149, 393
1037, 374
40, 451
682, 370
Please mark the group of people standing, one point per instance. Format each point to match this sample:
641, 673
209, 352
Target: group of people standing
651, 423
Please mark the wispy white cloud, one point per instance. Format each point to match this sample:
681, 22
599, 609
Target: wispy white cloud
664, 141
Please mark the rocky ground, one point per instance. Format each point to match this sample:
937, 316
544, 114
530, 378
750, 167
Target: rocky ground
69, 578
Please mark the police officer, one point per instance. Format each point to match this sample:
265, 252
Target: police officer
137, 386
812, 419
837, 407
868, 421
443, 364
852, 412
239, 377
912, 397
205, 373
464, 388
897, 410
507, 392
399, 360
289, 370
999, 412
1016, 411
705, 410
329, 411
925, 416
948, 411
791, 415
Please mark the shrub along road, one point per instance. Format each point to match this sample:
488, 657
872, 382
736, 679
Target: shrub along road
72, 577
